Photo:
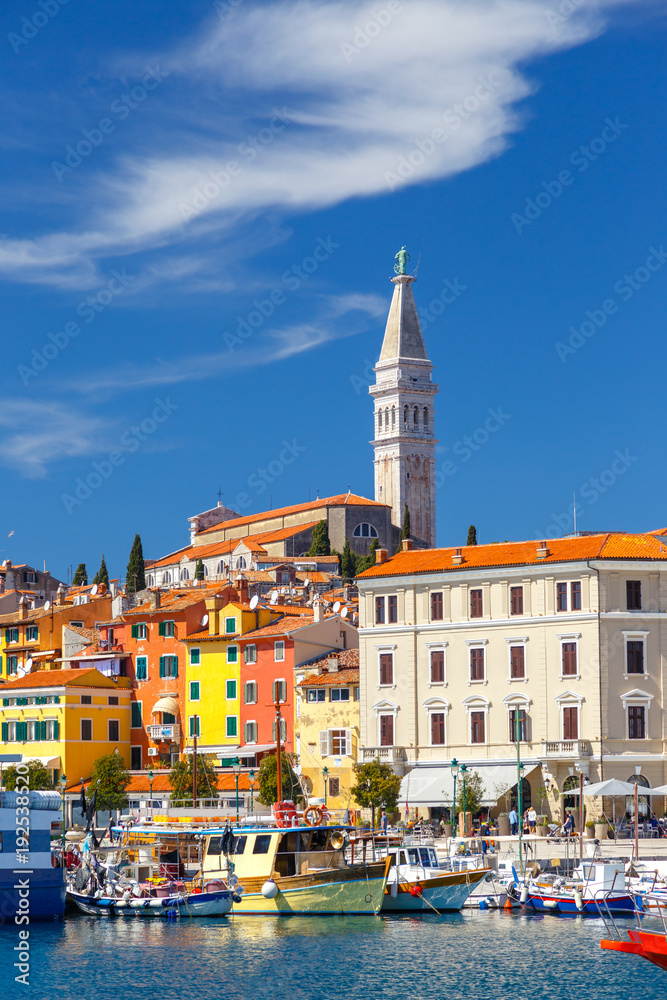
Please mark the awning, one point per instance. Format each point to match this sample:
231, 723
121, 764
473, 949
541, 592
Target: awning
434, 786
214, 749
250, 751
48, 762
166, 704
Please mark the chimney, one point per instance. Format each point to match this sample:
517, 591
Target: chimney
332, 664
101, 589
317, 610
380, 556
155, 598
213, 607
242, 588
61, 594
457, 558
407, 544
23, 608
542, 551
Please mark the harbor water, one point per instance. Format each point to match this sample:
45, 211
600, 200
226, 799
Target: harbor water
502, 955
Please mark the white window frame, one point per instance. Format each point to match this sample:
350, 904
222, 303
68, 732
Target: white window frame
250, 722
437, 647
520, 640
245, 685
477, 703
194, 649
385, 707
235, 696
246, 649
477, 644
570, 699
315, 701
229, 735
634, 636
437, 705
339, 701
387, 648
276, 681
190, 683
227, 660
279, 645
230, 618
564, 637
521, 702
637, 699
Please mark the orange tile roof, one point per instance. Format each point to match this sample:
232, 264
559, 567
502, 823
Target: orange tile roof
92, 634
337, 678
177, 599
287, 624
608, 545
12, 618
291, 609
161, 783
56, 678
347, 658
342, 499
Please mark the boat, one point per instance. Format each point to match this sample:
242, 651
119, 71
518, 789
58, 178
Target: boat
207, 902
285, 870
419, 882
578, 894
31, 887
647, 939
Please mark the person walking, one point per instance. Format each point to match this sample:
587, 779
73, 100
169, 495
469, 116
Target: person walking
514, 822
532, 820
568, 826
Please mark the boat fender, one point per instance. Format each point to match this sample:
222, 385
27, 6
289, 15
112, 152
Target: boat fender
508, 904
237, 897
551, 904
524, 894
393, 890
269, 889
416, 890
483, 904
579, 902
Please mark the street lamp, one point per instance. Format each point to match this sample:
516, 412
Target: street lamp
236, 763
325, 775
150, 785
455, 770
251, 779
63, 783
464, 771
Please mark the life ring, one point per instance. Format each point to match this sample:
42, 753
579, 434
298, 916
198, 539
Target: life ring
312, 816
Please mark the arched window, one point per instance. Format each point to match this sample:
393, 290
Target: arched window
379, 421
570, 801
643, 806
393, 417
365, 530
185, 573
406, 411
166, 576
416, 417
240, 563
221, 568
426, 418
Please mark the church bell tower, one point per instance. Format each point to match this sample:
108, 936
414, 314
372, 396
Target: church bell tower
404, 393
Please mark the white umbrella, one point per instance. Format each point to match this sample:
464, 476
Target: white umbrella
611, 787
660, 790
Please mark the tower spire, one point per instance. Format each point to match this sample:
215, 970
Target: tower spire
403, 392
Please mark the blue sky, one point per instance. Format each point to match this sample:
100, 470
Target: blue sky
200, 208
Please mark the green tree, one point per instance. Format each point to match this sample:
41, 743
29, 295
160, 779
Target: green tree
348, 562
474, 793
405, 530
320, 545
181, 777
199, 570
80, 577
102, 575
376, 785
110, 777
38, 776
367, 561
135, 579
267, 779
472, 535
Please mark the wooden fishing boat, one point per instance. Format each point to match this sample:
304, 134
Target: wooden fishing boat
207, 903
578, 894
417, 883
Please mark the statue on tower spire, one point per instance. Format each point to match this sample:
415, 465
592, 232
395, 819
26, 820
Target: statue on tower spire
402, 258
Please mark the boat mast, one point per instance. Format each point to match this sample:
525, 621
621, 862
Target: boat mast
194, 767
279, 768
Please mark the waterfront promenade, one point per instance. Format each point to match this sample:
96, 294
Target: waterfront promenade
547, 849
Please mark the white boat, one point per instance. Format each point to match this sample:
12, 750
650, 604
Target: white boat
210, 902
417, 882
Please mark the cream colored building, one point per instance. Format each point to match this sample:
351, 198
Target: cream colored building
569, 633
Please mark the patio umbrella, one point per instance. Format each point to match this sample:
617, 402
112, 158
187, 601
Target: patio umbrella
612, 788
660, 790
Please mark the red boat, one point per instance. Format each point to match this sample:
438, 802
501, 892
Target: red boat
649, 943
646, 944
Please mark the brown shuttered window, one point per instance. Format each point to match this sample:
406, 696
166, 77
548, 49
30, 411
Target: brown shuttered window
516, 600
436, 607
437, 728
570, 723
386, 668
635, 657
517, 662
569, 658
387, 730
633, 590
637, 722
476, 607
477, 734
575, 594
561, 597
437, 666
476, 664
379, 610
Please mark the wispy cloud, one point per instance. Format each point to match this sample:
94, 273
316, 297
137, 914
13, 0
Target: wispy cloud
352, 119
37, 434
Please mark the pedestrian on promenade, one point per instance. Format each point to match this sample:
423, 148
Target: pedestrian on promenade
532, 820
514, 822
384, 822
568, 826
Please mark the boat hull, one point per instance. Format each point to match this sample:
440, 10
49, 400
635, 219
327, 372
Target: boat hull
446, 892
322, 893
551, 903
645, 944
205, 904
45, 899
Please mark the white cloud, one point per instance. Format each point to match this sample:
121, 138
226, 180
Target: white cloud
357, 116
39, 433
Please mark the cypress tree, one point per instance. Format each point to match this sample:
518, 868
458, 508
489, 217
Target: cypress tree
102, 575
320, 545
135, 579
367, 561
405, 530
80, 577
199, 570
349, 562
472, 535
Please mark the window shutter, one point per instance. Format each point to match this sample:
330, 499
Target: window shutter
56, 730
348, 743
24, 731
273, 731
5, 701
174, 661
57, 701
42, 730
160, 631
135, 631
162, 667
5, 732
274, 692
325, 742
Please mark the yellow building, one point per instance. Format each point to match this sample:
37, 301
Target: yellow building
213, 675
327, 726
66, 719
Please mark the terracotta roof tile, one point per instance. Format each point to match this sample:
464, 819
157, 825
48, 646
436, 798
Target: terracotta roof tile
338, 678
176, 600
347, 658
342, 499
56, 678
287, 624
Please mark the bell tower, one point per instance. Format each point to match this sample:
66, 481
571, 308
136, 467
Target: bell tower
404, 393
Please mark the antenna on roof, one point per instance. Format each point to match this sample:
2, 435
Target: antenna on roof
343, 613
254, 601
574, 512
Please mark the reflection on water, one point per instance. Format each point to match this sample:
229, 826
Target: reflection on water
504, 956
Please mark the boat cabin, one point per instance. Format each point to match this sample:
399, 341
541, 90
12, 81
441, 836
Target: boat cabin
604, 875
416, 857
261, 852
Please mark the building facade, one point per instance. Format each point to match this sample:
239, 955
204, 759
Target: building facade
561, 642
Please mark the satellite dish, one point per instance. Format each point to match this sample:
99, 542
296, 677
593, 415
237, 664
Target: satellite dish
204, 620
336, 607
254, 601
343, 613
47, 605
306, 582
29, 663
274, 596
93, 589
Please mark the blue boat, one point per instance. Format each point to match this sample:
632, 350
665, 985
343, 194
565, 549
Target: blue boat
30, 887
580, 893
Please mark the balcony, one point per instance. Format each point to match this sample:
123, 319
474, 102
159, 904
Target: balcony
395, 756
566, 749
170, 733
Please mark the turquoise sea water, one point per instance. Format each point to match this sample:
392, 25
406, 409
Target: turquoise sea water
473, 955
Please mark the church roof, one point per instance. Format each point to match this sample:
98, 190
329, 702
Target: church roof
403, 336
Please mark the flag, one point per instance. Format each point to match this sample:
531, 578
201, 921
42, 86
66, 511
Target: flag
82, 799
